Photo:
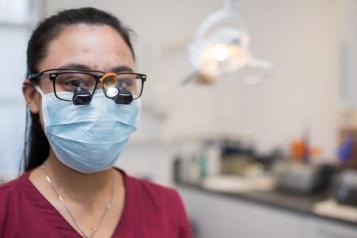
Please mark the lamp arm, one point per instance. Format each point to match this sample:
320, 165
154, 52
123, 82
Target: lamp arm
230, 6
229, 10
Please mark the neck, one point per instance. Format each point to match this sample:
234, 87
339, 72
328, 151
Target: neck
76, 185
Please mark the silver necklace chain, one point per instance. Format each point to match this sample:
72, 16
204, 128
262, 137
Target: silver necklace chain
97, 225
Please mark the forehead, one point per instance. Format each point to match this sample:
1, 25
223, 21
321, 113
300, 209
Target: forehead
99, 47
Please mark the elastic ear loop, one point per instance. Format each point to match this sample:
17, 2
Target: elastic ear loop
39, 90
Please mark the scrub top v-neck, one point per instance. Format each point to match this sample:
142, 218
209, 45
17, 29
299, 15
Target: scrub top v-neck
150, 211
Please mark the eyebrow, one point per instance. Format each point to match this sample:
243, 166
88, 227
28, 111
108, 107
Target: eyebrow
117, 69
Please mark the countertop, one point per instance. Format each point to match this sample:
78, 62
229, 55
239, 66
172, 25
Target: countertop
297, 203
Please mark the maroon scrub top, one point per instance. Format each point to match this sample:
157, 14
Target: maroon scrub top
150, 211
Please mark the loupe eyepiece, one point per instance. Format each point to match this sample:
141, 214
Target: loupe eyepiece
123, 97
81, 96
113, 89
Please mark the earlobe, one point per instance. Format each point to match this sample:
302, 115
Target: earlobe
31, 96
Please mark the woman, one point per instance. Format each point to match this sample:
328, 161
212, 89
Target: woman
83, 96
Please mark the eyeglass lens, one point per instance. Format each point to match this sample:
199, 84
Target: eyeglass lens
69, 82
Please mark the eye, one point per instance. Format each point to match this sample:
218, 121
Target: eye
69, 83
124, 84
74, 82
127, 80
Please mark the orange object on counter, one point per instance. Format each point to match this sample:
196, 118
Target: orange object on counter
300, 150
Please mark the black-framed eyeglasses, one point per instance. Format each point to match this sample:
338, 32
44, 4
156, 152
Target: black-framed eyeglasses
79, 85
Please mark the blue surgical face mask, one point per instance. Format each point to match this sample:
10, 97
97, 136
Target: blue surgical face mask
88, 138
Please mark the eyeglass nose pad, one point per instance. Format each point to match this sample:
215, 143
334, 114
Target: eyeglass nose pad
112, 89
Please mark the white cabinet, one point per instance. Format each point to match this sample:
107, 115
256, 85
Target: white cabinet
219, 216
317, 228
222, 217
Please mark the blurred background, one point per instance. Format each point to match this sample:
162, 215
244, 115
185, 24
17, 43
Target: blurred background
255, 124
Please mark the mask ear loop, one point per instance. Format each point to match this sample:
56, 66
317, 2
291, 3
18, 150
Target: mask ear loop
39, 90
43, 101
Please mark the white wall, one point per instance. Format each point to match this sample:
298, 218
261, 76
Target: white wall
12, 106
16, 22
348, 34
298, 36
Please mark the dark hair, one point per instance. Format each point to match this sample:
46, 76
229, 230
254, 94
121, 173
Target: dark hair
36, 148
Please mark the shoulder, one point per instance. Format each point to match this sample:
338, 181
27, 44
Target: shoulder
154, 197
155, 193
158, 200
9, 196
10, 191
6, 190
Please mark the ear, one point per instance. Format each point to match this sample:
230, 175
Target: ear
32, 97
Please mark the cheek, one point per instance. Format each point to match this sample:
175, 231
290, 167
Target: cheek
40, 111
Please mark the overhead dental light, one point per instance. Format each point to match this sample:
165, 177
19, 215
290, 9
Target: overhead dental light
221, 49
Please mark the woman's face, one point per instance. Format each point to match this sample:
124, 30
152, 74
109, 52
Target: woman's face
82, 46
